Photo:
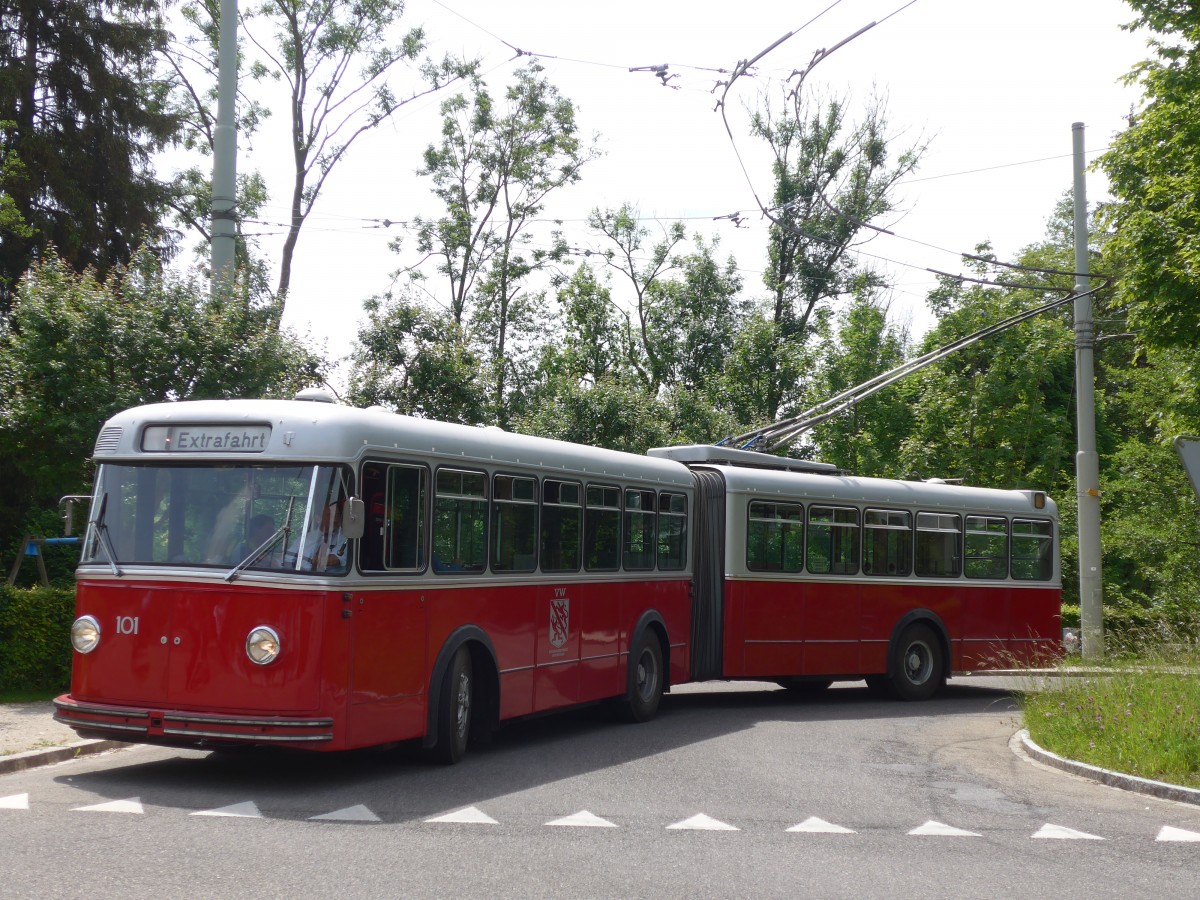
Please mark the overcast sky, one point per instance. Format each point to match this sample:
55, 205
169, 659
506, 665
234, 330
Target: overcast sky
994, 87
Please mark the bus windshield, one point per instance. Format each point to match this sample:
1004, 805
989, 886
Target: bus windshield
250, 517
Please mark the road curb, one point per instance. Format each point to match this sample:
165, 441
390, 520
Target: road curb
31, 759
1159, 789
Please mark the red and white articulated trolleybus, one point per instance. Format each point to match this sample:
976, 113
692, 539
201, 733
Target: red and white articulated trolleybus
303, 574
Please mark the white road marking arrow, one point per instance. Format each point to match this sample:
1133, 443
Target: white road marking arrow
813, 825
350, 814
1058, 832
701, 822
468, 816
583, 819
245, 810
132, 805
940, 829
1176, 834
15, 801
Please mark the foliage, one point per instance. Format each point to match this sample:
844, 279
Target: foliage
831, 177
35, 647
78, 348
1141, 720
80, 116
1154, 172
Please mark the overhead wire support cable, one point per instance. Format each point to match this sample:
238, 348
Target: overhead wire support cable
771, 437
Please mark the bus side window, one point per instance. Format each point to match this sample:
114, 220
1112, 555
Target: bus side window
370, 553
460, 517
514, 523
561, 526
672, 531
1032, 550
774, 536
832, 540
602, 528
639, 529
939, 542
887, 542
986, 549
406, 517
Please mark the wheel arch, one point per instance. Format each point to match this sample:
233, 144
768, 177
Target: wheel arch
651, 620
922, 617
487, 680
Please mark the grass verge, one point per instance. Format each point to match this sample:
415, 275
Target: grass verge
1143, 719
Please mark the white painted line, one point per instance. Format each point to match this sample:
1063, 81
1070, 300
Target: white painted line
701, 822
1058, 832
468, 816
350, 814
813, 825
132, 805
940, 829
1169, 833
245, 810
583, 819
15, 801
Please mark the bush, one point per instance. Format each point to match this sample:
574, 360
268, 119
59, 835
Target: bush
35, 645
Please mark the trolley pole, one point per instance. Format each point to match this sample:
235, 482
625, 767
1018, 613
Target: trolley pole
224, 182
1087, 460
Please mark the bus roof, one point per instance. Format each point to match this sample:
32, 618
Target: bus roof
884, 492
257, 431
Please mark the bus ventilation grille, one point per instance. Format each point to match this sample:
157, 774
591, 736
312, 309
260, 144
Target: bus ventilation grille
108, 441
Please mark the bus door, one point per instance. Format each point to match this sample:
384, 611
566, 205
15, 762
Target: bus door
387, 618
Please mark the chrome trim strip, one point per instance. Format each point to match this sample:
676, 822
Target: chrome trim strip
516, 669
265, 723
99, 726
233, 735
104, 710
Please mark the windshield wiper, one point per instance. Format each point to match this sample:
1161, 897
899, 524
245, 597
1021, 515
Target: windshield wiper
102, 533
265, 546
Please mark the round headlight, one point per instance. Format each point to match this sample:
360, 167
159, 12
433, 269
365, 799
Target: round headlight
85, 634
262, 645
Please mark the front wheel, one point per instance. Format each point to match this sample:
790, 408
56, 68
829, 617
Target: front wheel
454, 710
644, 682
918, 668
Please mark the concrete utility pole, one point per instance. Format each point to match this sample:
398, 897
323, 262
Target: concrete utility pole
224, 181
1087, 460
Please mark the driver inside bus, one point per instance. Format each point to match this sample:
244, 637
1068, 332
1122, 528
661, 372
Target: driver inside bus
325, 546
258, 532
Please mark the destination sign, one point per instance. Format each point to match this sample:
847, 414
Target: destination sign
206, 438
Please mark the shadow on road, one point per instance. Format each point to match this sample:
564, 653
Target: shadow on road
524, 754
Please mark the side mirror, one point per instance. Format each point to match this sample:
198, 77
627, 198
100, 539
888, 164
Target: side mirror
354, 518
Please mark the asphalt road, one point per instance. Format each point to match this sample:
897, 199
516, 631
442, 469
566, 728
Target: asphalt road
733, 791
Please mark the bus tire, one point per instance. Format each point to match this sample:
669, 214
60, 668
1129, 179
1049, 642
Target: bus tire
644, 681
454, 710
918, 669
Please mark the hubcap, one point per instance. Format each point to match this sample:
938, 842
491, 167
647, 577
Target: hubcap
462, 706
647, 676
918, 663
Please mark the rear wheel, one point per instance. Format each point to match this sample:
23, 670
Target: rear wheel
918, 667
644, 682
454, 709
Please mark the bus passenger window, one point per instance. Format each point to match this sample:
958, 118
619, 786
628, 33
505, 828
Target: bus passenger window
986, 552
514, 524
672, 531
1032, 550
887, 542
370, 548
832, 540
602, 528
460, 521
639, 529
939, 539
406, 517
775, 537
562, 521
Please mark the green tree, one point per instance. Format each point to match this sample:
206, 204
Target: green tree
831, 177
77, 349
864, 439
1154, 172
80, 117
493, 171
416, 361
